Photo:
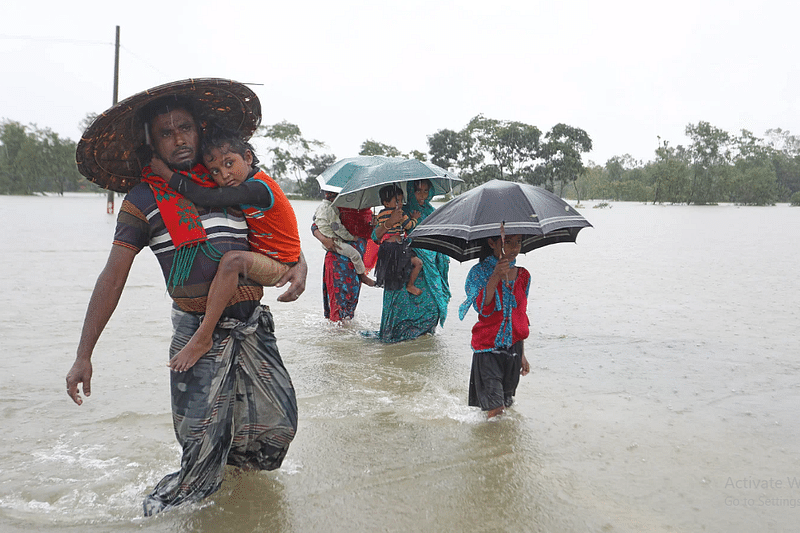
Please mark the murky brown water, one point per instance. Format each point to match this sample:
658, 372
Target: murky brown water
662, 397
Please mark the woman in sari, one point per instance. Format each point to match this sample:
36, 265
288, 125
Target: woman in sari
341, 285
406, 316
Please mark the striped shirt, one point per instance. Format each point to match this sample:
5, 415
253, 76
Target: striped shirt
270, 216
403, 227
139, 224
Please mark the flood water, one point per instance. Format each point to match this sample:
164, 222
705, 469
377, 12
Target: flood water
663, 393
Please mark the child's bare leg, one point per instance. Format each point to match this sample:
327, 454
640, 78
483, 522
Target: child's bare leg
264, 270
416, 263
223, 287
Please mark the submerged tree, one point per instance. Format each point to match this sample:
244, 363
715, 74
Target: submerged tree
670, 174
710, 153
754, 180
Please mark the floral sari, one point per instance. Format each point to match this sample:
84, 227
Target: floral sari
341, 286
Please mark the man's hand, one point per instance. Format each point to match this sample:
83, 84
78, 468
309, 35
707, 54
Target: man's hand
296, 277
104, 299
81, 372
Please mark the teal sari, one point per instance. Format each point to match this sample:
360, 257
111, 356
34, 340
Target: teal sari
404, 315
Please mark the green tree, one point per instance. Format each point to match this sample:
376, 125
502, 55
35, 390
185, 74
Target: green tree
593, 183
459, 151
710, 153
416, 154
787, 173
561, 153
292, 156
754, 180
446, 147
616, 167
487, 149
87, 121
619, 165
57, 156
34, 160
370, 147
669, 174
512, 146
786, 160
317, 166
13, 175
754, 183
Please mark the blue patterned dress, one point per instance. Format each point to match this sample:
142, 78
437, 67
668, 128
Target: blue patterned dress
404, 315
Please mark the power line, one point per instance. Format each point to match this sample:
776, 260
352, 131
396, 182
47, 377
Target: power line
56, 40
141, 59
52, 40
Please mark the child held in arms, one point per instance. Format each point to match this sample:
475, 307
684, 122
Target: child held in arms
273, 234
330, 225
394, 255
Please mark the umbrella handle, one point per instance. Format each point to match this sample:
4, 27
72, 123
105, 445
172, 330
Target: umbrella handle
503, 238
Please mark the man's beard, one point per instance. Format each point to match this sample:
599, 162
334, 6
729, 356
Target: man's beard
185, 166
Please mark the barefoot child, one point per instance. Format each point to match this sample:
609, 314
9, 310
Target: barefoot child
274, 237
394, 254
498, 291
330, 225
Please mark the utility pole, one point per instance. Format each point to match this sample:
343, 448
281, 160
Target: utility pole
110, 203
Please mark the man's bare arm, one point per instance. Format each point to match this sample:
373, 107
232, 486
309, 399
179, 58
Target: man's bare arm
103, 302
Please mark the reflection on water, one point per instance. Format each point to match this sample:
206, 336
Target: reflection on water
662, 353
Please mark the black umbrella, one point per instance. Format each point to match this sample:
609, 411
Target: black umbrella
460, 227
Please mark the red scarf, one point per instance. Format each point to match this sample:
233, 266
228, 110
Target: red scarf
182, 221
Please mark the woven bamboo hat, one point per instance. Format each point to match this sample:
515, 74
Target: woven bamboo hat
110, 152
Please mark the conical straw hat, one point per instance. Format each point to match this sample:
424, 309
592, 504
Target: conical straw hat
110, 152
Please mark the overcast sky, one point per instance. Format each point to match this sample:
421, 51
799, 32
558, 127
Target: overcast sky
346, 71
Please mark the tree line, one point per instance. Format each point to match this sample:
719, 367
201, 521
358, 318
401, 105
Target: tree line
483, 150
35, 160
715, 167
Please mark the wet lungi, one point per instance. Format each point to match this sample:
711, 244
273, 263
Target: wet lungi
235, 406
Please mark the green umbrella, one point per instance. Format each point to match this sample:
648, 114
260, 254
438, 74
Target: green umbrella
358, 179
